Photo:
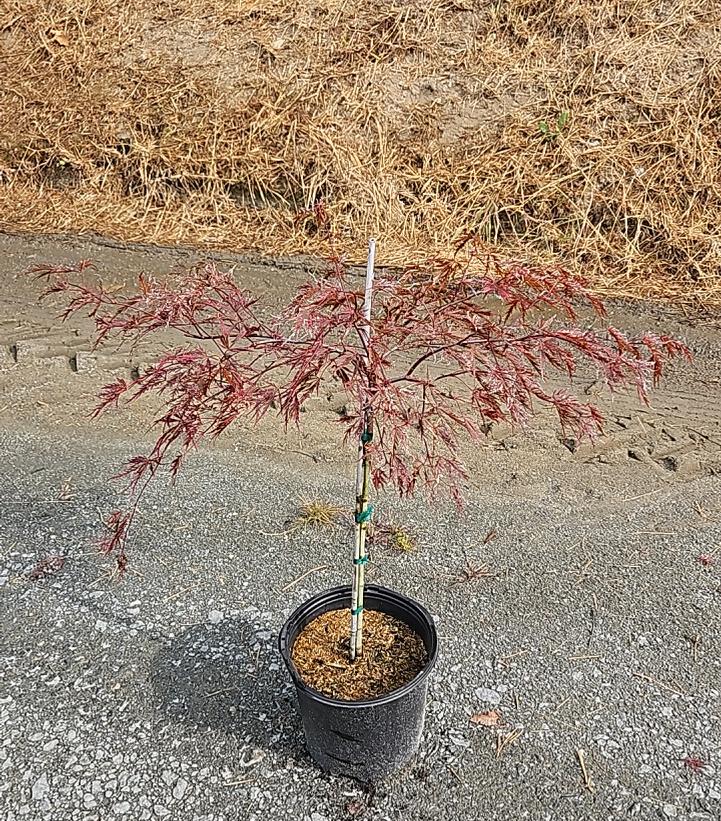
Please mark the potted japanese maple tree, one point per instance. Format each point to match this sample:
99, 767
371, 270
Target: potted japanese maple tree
425, 355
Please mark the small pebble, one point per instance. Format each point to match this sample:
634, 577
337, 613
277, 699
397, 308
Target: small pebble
488, 695
40, 788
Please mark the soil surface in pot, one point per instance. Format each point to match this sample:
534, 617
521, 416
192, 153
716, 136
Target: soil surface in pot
393, 654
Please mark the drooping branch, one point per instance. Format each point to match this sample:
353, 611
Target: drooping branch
456, 345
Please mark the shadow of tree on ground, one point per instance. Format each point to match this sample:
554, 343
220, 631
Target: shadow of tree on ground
230, 677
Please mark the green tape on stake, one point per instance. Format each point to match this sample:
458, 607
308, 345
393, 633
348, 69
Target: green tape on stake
362, 560
356, 610
364, 515
367, 436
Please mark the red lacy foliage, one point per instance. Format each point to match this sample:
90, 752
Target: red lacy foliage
47, 566
456, 345
694, 763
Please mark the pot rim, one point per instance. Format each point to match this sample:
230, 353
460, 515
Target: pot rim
341, 592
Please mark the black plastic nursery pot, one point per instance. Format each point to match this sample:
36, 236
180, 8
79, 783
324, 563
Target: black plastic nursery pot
368, 739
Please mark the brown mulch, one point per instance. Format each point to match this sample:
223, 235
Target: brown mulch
393, 654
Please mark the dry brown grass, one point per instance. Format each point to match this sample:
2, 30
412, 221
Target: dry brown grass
319, 513
211, 123
395, 536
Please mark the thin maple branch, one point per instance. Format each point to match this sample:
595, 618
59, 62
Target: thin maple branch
497, 328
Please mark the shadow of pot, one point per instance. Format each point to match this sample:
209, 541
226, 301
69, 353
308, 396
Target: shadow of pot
227, 677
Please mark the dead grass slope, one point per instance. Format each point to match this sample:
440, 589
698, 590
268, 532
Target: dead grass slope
585, 129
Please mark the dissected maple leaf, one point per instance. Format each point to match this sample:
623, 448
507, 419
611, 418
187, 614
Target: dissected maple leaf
47, 566
489, 718
455, 346
355, 808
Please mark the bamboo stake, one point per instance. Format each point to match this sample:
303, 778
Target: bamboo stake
362, 511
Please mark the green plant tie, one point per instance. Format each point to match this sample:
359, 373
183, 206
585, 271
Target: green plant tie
362, 560
356, 610
367, 436
364, 515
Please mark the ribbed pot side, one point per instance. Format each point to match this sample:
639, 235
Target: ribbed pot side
367, 740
